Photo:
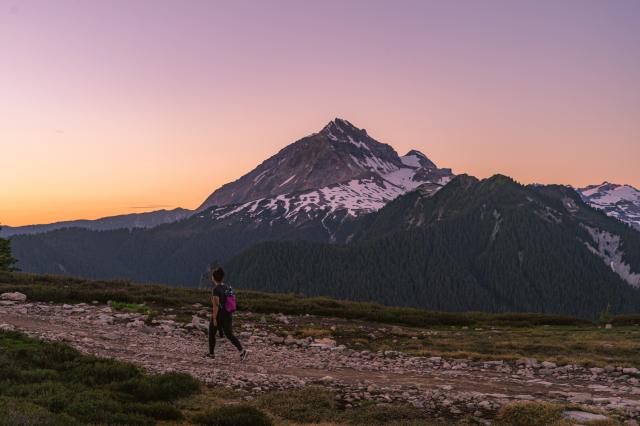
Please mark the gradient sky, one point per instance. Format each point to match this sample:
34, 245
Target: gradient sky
111, 107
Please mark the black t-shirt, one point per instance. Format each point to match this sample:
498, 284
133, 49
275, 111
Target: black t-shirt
218, 290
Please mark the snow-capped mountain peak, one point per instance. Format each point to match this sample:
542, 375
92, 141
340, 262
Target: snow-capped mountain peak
340, 171
341, 152
619, 201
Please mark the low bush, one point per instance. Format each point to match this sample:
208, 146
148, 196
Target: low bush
98, 371
165, 387
233, 415
157, 410
308, 405
372, 414
531, 414
623, 320
51, 381
16, 412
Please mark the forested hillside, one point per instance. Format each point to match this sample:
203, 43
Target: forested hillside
176, 253
475, 245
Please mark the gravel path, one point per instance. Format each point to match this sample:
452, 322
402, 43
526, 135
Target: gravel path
443, 386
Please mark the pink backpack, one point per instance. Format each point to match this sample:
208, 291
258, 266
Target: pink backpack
229, 300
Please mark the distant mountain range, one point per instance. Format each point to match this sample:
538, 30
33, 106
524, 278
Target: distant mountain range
341, 192
125, 221
619, 201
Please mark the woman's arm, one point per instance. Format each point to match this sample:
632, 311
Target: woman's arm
214, 314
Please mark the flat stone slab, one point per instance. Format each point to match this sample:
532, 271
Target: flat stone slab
584, 416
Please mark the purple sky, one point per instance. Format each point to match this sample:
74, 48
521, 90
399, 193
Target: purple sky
106, 105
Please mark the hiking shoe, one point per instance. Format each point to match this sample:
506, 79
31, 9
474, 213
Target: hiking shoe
244, 354
208, 355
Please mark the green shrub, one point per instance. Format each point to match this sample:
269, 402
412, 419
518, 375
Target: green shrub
98, 371
163, 387
531, 414
622, 320
40, 380
157, 410
52, 395
605, 316
233, 415
15, 412
50, 356
371, 414
103, 407
308, 405
38, 375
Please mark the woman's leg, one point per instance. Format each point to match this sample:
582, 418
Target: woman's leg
212, 336
227, 326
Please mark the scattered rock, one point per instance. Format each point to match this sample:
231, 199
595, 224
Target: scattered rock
14, 297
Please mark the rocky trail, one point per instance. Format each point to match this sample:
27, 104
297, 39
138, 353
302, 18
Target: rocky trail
445, 387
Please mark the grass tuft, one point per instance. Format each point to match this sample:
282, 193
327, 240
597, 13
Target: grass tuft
233, 415
531, 414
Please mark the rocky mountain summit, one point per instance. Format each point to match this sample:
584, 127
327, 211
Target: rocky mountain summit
339, 168
619, 201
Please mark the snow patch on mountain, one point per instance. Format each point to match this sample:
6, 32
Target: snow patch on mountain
288, 180
608, 247
619, 201
411, 161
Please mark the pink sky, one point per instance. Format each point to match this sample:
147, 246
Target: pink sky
109, 106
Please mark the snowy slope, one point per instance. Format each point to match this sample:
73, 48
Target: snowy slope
351, 199
619, 201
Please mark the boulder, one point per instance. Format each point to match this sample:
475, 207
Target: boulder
199, 324
527, 362
276, 339
283, 319
326, 342
14, 297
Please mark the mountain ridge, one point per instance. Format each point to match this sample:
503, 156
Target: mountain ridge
495, 246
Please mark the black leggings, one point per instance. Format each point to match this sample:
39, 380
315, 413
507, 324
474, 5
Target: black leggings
225, 322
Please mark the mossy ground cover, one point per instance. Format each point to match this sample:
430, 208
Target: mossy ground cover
588, 346
51, 383
308, 406
541, 413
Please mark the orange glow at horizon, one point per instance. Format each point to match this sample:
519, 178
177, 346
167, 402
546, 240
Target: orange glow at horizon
182, 99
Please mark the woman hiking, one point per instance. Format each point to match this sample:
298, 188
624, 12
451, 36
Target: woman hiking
224, 304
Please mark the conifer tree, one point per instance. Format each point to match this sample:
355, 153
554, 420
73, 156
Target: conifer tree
6, 260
